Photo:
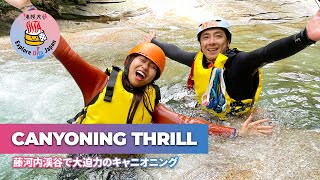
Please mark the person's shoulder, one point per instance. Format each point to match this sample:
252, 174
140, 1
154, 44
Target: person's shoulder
232, 52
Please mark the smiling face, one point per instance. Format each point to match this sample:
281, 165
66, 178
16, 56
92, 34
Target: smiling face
141, 71
212, 42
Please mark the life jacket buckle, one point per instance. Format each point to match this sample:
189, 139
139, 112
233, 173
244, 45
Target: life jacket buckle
71, 121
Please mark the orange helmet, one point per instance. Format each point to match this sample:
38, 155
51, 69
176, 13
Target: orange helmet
152, 52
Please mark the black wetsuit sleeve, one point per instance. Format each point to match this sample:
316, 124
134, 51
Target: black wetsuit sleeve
277, 50
241, 75
175, 53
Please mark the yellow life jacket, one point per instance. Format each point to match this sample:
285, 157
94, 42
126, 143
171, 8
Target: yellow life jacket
113, 103
201, 78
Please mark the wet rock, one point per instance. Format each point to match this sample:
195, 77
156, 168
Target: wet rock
252, 12
103, 10
82, 2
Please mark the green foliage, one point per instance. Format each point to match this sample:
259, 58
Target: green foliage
4, 4
37, 2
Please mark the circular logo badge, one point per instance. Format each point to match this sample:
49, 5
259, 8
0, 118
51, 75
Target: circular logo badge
35, 34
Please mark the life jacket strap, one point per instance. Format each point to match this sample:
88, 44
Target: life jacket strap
157, 100
108, 95
111, 83
71, 121
158, 94
190, 78
239, 106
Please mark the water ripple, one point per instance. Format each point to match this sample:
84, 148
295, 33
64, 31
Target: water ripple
299, 77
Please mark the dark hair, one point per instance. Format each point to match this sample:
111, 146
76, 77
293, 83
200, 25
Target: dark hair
226, 31
138, 93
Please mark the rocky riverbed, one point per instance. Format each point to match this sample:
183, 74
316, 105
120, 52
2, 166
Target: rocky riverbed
239, 12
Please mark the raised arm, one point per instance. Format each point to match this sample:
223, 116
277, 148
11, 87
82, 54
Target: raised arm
274, 51
163, 115
89, 78
172, 51
281, 48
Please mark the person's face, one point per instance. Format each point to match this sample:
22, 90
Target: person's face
212, 42
141, 71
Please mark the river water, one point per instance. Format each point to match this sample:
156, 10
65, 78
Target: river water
44, 92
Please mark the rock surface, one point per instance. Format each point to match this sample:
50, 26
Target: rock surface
97, 10
103, 10
238, 12
251, 11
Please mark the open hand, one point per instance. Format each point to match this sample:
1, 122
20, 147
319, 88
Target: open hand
254, 128
313, 27
150, 36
